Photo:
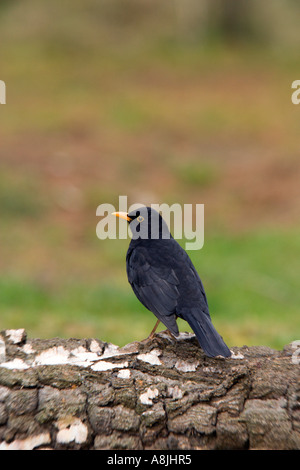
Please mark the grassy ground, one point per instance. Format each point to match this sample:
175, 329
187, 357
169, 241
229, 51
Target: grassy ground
251, 283
159, 122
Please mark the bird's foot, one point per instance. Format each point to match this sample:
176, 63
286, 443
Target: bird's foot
168, 332
155, 336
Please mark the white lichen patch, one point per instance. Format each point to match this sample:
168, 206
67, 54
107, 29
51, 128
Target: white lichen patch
95, 347
2, 350
104, 365
184, 335
82, 357
165, 334
175, 392
15, 336
15, 364
210, 370
59, 355
237, 355
28, 349
184, 366
71, 429
52, 356
147, 397
29, 443
124, 374
111, 350
151, 357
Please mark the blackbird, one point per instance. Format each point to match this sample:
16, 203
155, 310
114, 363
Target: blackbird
165, 280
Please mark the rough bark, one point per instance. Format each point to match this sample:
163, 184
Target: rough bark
163, 394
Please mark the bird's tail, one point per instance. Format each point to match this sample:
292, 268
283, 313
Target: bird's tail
209, 339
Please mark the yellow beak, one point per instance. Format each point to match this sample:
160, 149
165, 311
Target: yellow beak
122, 215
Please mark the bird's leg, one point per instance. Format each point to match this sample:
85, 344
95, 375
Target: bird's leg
154, 330
168, 332
150, 337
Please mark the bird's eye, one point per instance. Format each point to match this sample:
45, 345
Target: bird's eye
140, 218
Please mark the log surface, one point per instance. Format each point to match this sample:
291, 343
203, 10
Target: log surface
163, 394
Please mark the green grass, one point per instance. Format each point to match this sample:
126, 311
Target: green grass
18, 195
157, 118
251, 283
196, 174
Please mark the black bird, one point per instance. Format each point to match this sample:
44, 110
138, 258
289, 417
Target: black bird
165, 280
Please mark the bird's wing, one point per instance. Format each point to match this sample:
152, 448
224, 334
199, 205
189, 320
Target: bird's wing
155, 286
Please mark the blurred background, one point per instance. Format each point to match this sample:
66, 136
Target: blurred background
165, 102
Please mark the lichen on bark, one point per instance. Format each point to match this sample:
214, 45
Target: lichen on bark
164, 394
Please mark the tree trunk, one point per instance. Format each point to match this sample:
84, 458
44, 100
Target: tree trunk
163, 394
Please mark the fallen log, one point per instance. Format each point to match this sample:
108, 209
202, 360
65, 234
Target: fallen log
163, 394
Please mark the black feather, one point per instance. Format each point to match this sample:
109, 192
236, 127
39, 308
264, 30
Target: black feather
209, 339
166, 282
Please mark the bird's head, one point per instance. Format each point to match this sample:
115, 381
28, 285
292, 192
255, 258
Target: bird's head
145, 223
